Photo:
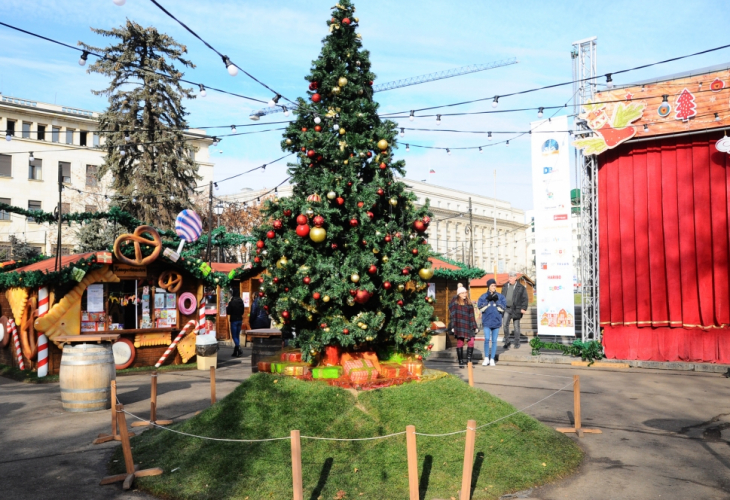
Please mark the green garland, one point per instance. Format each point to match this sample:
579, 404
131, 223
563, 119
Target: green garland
465, 273
590, 351
36, 279
15, 264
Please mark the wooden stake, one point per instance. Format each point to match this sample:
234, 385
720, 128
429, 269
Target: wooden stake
114, 436
212, 385
296, 465
153, 406
132, 470
412, 462
471, 374
471, 432
578, 429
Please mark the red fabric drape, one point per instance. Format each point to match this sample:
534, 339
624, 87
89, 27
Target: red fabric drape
664, 249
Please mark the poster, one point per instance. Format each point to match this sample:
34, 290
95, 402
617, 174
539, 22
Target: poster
431, 291
95, 298
246, 296
553, 237
160, 300
170, 301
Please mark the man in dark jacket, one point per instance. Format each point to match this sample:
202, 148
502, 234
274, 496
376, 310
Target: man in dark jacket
259, 318
234, 310
515, 295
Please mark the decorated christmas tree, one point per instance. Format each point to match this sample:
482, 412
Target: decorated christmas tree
346, 254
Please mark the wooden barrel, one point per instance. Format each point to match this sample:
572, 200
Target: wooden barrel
86, 374
263, 347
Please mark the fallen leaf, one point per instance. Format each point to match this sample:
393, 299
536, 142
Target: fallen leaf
276, 381
356, 469
544, 464
340, 495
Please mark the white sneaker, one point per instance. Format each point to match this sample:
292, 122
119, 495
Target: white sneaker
485, 362
491, 362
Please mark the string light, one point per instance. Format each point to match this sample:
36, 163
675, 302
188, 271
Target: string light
643, 88
126, 137
408, 148
448, 151
539, 112
119, 2
412, 117
82, 59
507, 143
609, 81
134, 200
122, 151
215, 141
274, 100
489, 136
286, 111
8, 137
717, 117
646, 127
233, 129
216, 186
336, 127
31, 158
480, 149
438, 119
495, 101
402, 132
232, 70
203, 93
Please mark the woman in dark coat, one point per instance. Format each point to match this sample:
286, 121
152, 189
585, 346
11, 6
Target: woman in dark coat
462, 324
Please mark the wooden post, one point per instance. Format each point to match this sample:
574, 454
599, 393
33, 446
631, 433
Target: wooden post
126, 448
471, 432
578, 428
296, 465
153, 397
114, 408
212, 385
412, 462
471, 374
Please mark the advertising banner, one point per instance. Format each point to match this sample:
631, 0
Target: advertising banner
553, 238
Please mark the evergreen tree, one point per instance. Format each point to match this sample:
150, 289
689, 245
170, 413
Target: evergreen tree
145, 105
97, 235
19, 250
346, 254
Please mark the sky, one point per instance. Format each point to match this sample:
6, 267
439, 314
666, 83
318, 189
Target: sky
276, 40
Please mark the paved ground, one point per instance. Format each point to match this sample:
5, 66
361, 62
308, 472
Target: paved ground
665, 434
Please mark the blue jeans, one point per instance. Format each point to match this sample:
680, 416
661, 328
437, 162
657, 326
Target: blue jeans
490, 333
236, 332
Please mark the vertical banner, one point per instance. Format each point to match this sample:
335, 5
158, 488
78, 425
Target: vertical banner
553, 238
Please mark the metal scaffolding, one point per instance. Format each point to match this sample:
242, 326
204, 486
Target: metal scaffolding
584, 88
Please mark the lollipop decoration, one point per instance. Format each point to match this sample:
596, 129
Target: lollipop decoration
188, 227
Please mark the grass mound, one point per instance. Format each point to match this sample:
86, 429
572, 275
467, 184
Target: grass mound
513, 454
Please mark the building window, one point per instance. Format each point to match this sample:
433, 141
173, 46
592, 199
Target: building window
65, 171
91, 171
65, 250
533, 252
55, 134
69, 136
65, 208
11, 128
41, 132
96, 140
33, 205
26, 130
35, 170
3, 214
82, 138
6, 166
90, 208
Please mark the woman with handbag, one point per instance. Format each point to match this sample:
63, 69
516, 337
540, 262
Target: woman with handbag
492, 305
462, 324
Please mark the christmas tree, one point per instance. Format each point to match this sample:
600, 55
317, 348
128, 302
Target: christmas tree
144, 125
346, 254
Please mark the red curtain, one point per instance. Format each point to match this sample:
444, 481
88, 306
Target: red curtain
664, 233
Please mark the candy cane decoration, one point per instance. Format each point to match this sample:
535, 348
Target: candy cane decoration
16, 340
201, 319
190, 325
42, 339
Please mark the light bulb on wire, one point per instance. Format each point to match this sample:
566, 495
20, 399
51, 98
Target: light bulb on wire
402, 132
609, 81
82, 59
233, 129
232, 70
31, 158
119, 2
438, 119
408, 148
203, 93
489, 136
448, 151
122, 151
507, 144
495, 101
412, 117
286, 111
539, 112
215, 141
8, 137
126, 137
274, 100
717, 117
480, 149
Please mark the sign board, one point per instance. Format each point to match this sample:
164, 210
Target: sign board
124, 271
95, 298
553, 236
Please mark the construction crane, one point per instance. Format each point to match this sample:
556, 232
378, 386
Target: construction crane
415, 80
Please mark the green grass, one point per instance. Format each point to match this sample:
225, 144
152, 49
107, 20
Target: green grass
31, 377
514, 454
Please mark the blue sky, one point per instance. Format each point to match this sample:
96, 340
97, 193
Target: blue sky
276, 40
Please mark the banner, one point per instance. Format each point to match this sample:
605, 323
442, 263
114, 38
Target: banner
553, 238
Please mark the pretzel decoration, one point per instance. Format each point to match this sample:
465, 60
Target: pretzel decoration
171, 281
138, 240
28, 340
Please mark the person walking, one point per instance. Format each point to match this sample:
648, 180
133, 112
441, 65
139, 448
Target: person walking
462, 324
234, 310
515, 295
492, 305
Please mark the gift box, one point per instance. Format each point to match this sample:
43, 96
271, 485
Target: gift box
327, 372
88, 326
276, 367
357, 356
264, 366
360, 370
292, 356
391, 370
414, 367
104, 257
295, 369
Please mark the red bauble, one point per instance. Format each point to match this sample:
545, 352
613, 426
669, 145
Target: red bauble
304, 129
257, 259
259, 244
311, 153
301, 219
387, 285
340, 200
307, 280
285, 314
334, 246
353, 222
261, 294
399, 235
414, 251
362, 296
286, 289
364, 243
323, 325
316, 295
277, 224
360, 204
303, 230
428, 299
317, 128
380, 192
372, 269
266, 308
271, 235
371, 82
258, 250
387, 238
318, 221
303, 148
371, 215
319, 158
287, 212
369, 154
405, 271
316, 98
313, 86
400, 302
419, 226
346, 21
345, 331
383, 166
349, 184
353, 292
276, 280
426, 219
261, 280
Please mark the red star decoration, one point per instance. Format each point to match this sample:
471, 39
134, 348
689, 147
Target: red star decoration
629, 96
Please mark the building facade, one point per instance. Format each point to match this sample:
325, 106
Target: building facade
40, 138
504, 246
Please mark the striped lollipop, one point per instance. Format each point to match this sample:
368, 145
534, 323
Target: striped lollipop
188, 227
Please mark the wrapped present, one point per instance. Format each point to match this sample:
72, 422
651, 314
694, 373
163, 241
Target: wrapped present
264, 366
276, 367
327, 372
360, 370
205, 268
391, 370
332, 355
357, 356
295, 369
77, 274
414, 367
104, 257
292, 356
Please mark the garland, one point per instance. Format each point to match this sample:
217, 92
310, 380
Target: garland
15, 264
464, 273
36, 279
590, 351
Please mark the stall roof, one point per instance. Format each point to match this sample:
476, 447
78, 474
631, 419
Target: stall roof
440, 264
49, 264
224, 267
502, 278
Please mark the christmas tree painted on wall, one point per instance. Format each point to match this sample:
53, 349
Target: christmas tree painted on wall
686, 107
346, 254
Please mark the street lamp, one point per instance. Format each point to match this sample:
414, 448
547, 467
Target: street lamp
218, 211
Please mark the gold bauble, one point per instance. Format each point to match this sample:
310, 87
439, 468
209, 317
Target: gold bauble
345, 162
342, 81
383, 144
394, 201
401, 287
355, 278
337, 109
359, 92
317, 234
385, 259
376, 251
326, 298
364, 326
310, 213
282, 262
288, 142
350, 301
335, 90
355, 18
426, 274
310, 317
368, 339
327, 329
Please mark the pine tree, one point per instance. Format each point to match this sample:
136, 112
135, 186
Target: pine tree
97, 235
154, 166
346, 254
